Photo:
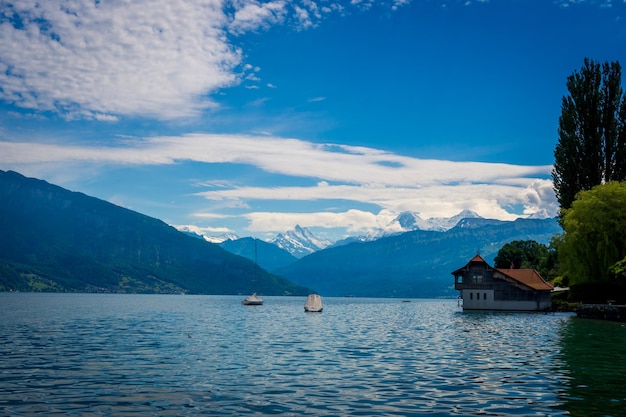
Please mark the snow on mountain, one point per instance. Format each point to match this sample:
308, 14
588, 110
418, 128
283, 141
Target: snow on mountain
474, 222
221, 238
443, 224
196, 232
299, 242
407, 221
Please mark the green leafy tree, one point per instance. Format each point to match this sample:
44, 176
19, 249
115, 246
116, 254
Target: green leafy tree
549, 266
591, 148
524, 254
593, 248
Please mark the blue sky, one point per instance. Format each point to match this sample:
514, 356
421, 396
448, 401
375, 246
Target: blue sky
251, 117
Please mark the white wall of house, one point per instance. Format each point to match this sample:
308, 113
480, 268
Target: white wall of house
484, 300
477, 299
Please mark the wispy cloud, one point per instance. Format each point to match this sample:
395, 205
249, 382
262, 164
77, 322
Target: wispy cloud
392, 182
99, 59
148, 58
254, 15
104, 60
294, 157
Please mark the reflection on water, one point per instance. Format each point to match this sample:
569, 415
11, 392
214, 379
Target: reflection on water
594, 354
73, 354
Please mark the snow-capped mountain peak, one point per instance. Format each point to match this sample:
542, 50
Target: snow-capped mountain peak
299, 242
197, 232
407, 221
449, 223
221, 238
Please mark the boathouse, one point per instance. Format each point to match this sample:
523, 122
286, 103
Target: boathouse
483, 287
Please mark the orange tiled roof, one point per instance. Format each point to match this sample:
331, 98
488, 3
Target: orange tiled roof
528, 277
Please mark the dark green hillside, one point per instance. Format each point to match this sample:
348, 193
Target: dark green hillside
55, 240
413, 264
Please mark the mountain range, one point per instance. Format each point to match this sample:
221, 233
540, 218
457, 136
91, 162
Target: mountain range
411, 264
300, 242
56, 240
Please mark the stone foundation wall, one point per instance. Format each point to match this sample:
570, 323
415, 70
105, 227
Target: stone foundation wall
602, 312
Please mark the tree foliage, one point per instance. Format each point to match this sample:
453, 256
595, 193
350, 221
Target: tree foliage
529, 254
591, 148
593, 248
524, 254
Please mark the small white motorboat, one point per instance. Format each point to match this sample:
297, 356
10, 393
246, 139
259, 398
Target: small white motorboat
252, 300
313, 303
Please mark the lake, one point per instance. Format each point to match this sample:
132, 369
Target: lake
159, 355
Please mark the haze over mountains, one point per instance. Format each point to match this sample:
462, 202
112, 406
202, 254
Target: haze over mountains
410, 264
300, 242
57, 240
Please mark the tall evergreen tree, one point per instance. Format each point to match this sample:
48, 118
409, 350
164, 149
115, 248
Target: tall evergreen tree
610, 112
592, 131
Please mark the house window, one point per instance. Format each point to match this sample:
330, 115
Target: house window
478, 296
477, 279
485, 295
471, 296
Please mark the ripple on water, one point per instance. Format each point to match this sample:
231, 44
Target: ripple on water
189, 355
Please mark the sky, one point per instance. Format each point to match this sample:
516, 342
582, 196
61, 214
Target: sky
251, 117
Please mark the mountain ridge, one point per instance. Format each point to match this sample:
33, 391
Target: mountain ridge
299, 242
411, 264
59, 240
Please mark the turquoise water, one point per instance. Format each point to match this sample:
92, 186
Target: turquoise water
140, 355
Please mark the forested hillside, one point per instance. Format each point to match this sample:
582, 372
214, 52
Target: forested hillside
412, 264
53, 239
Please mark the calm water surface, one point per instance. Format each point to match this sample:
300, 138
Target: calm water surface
129, 355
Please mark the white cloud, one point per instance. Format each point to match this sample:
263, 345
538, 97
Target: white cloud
351, 220
340, 163
538, 198
395, 183
103, 60
428, 200
100, 59
399, 3
254, 15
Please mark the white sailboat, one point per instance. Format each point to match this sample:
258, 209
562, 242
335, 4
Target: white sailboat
253, 300
313, 303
